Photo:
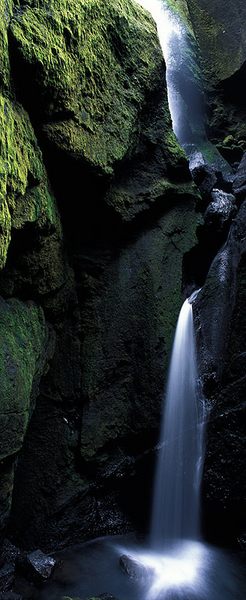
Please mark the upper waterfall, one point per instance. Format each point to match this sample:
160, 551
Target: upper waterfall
185, 94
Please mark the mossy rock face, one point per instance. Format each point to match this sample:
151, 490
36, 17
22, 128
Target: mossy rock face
23, 335
92, 64
24, 342
128, 324
221, 53
220, 34
6, 7
24, 194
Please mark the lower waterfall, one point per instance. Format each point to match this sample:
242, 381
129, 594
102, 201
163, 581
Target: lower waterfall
177, 490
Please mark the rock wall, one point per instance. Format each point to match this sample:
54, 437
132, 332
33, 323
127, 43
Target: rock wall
222, 42
97, 211
98, 216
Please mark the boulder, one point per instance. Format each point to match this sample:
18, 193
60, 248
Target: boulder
209, 169
89, 104
203, 174
220, 212
133, 568
36, 566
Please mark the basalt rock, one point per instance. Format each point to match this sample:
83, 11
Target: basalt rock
133, 568
220, 212
220, 327
203, 174
36, 566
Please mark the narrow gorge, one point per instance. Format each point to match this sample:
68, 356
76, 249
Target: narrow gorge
122, 191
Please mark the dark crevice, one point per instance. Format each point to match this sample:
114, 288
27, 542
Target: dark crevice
197, 262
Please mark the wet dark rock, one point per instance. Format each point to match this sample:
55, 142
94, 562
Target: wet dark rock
10, 552
220, 211
36, 566
209, 169
133, 568
239, 184
11, 596
221, 331
7, 573
203, 175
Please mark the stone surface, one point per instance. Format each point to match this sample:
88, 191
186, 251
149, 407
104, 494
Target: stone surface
7, 573
25, 199
104, 260
36, 566
220, 35
133, 568
111, 284
24, 338
203, 174
91, 103
220, 325
23, 355
239, 183
220, 212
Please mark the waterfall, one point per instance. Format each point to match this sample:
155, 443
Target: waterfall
183, 77
180, 461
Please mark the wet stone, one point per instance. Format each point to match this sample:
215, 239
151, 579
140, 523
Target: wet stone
7, 573
220, 211
203, 175
37, 566
133, 568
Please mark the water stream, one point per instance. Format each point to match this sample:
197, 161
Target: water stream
177, 489
176, 564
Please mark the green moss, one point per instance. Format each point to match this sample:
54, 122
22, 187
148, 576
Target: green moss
6, 7
129, 203
24, 193
23, 334
94, 62
220, 35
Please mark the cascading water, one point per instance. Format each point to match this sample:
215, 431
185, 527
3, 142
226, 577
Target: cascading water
176, 496
183, 77
184, 81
